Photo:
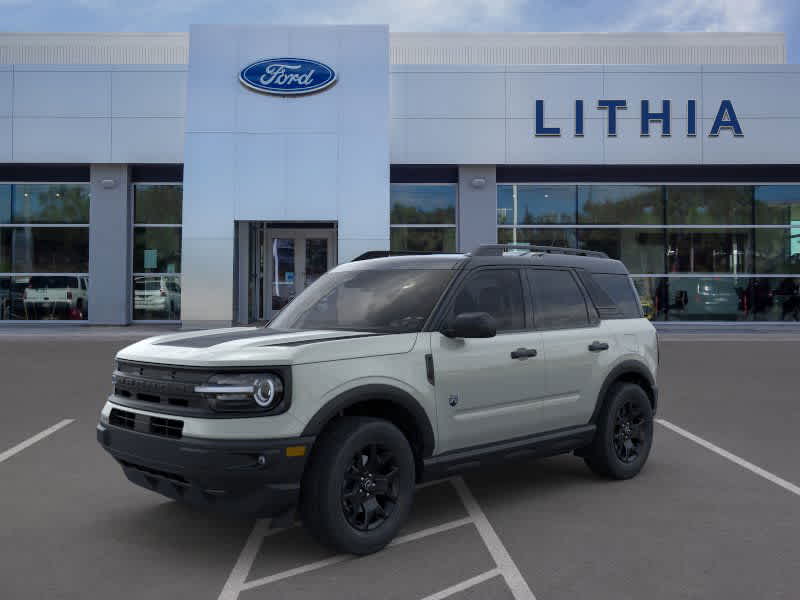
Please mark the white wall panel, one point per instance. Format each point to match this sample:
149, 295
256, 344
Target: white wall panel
6, 84
5, 139
259, 176
62, 93
754, 94
147, 140
455, 141
558, 90
525, 148
629, 148
765, 141
655, 87
363, 165
208, 181
77, 140
349, 248
455, 95
311, 176
148, 93
213, 71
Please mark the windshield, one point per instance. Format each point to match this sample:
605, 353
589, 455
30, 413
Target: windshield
384, 301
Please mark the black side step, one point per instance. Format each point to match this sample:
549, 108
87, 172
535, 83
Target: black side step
540, 446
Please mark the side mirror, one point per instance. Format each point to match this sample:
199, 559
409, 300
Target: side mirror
471, 325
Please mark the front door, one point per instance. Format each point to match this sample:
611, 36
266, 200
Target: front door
294, 259
488, 390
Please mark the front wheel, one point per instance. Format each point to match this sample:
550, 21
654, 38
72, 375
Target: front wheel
624, 433
359, 486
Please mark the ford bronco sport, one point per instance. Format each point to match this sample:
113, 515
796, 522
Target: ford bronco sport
388, 372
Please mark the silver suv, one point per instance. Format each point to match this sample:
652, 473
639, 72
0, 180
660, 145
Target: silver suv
388, 372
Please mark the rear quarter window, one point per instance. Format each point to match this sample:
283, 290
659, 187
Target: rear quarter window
620, 290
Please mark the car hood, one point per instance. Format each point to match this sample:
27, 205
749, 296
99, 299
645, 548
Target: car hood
259, 346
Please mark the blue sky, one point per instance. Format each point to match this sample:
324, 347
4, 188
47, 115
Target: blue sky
414, 15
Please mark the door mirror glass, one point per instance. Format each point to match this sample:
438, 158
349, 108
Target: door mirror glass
471, 325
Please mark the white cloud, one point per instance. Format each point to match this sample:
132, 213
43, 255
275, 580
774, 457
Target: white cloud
705, 15
421, 15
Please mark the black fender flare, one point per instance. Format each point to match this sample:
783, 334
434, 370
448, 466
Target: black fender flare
624, 368
379, 392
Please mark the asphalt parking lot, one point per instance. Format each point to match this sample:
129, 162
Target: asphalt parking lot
715, 513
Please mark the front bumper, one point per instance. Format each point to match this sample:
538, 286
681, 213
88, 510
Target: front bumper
257, 477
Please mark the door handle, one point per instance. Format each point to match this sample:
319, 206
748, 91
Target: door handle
598, 346
522, 353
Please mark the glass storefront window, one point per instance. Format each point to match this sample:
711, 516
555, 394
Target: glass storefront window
620, 204
157, 249
642, 250
413, 204
54, 204
535, 204
710, 250
156, 286
44, 297
563, 238
158, 204
44, 251
778, 205
709, 205
778, 250
423, 204
156, 297
428, 239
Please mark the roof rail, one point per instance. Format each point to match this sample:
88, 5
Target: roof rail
369, 254
499, 249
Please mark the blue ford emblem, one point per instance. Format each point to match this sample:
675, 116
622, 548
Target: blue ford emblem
287, 76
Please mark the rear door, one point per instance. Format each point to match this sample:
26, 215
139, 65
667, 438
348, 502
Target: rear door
576, 346
487, 390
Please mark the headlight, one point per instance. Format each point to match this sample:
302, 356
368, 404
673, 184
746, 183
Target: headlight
243, 393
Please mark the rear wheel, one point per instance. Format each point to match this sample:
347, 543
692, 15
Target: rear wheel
624, 433
359, 486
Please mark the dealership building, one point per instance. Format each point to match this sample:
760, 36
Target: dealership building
208, 177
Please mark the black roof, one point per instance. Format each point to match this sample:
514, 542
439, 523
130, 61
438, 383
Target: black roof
594, 262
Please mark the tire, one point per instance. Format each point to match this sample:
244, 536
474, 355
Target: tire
624, 433
358, 488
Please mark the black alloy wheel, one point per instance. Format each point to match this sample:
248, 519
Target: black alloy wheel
630, 431
624, 433
371, 487
358, 486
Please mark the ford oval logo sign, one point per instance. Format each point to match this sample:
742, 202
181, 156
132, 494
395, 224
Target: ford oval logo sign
287, 76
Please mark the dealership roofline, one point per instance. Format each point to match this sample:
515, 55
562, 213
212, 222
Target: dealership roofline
427, 48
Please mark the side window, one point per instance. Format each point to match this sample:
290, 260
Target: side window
558, 302
620, 288
497, 292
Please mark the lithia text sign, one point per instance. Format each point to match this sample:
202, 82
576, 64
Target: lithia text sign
725, 120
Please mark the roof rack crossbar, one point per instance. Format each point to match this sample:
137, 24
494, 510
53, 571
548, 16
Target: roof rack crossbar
499, 249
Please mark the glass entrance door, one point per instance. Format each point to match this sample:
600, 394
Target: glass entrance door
294, 259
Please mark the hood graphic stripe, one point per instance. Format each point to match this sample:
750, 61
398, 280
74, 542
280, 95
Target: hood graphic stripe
318, 340
206, 341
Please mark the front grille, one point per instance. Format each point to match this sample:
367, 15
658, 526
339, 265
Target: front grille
168, 387
166, 427
171, 428
122, 418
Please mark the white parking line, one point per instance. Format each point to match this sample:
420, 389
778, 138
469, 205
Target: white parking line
33, 439
247, 556
237, 580
788, 486
339, 558
505, 564
464, 585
